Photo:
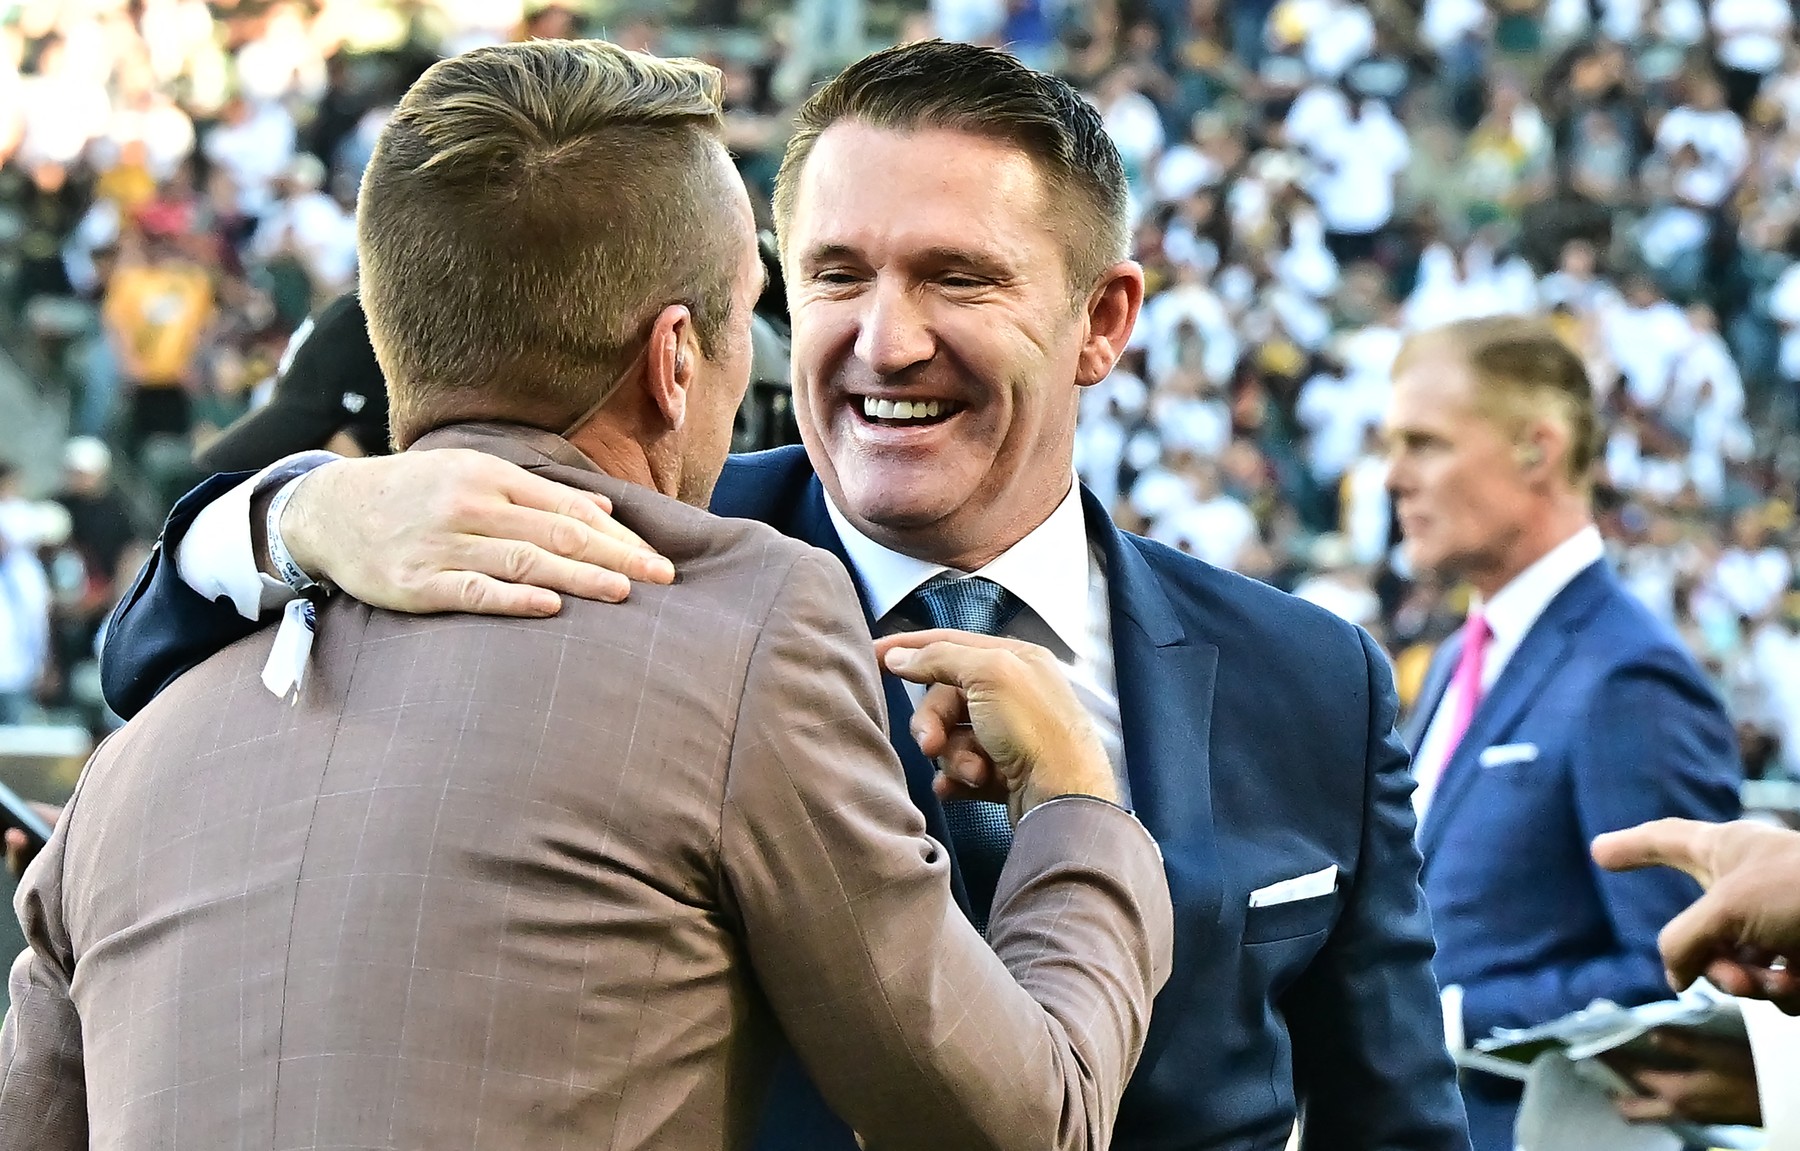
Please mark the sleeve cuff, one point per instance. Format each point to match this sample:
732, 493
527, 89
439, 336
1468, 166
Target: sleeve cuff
1127, 812
215, 556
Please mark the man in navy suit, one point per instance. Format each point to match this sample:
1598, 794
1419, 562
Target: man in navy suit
1562, 709
953, 227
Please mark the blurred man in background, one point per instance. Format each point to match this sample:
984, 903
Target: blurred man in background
1562, 710
157, 306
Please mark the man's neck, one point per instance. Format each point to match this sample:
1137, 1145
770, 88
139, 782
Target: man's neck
968, 555
617, 454
934, 547
1544, 537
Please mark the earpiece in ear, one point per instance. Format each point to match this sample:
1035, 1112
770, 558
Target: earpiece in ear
1530, 457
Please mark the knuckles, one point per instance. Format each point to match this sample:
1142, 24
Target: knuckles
517, 561
567, 538
471, 592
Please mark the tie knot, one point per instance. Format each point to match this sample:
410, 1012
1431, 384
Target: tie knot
1476, 632
965, 603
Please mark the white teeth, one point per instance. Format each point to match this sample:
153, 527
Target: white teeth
876, 409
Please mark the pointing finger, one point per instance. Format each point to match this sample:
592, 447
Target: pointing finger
1683, 844
915, 640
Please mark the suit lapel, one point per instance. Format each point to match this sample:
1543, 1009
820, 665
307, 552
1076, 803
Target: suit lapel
813, 525
1543, 650
1165, 680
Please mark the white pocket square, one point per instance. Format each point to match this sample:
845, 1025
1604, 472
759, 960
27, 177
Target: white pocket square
1502, 754
1295, 889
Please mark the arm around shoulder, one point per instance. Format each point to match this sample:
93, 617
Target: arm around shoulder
163, 626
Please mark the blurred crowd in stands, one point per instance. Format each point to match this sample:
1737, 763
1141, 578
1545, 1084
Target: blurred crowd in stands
1312, 180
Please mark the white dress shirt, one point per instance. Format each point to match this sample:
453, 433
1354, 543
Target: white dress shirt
1058, 574
216, 557
1510, 615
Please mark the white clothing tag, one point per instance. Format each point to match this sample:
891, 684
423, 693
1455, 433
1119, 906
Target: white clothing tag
1295, 889
286, 668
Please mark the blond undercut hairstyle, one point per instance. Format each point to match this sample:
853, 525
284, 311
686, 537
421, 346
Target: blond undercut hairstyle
985, 92
1523, 371
529, 210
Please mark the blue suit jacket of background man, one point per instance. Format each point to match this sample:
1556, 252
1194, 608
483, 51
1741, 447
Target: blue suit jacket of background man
1600, 720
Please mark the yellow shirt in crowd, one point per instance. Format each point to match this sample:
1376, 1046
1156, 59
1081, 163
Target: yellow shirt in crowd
156, 315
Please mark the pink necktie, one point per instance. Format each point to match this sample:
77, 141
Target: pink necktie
1467, 681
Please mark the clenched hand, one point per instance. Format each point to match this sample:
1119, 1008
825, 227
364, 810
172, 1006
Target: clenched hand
1000, 719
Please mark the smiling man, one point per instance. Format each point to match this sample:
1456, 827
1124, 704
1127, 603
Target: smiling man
953, 229
1561, 711
935, 308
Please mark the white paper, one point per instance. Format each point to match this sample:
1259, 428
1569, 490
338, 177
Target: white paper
1566, 1082
1603, 1026
1565, 1111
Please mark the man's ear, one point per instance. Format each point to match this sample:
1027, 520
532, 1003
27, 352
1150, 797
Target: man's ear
1112, 312
674, 356
1545, 447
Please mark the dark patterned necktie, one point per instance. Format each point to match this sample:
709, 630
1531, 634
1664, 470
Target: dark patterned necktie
980, 832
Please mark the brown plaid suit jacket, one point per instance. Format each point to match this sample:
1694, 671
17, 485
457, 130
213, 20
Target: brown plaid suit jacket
562, 883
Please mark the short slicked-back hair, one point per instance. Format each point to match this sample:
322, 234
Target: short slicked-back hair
528, 211
937, 84
1523, 370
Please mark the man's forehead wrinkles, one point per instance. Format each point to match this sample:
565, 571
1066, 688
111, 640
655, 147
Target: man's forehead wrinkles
918, 236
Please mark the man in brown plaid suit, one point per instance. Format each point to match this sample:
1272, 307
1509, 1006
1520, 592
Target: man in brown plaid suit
563, 882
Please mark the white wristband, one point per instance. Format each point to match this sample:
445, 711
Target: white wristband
290, 572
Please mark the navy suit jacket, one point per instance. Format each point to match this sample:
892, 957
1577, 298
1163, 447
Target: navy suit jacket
1600, 720
1260, 743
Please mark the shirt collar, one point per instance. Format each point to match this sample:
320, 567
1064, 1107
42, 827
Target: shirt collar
1048, 569
1518, 605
